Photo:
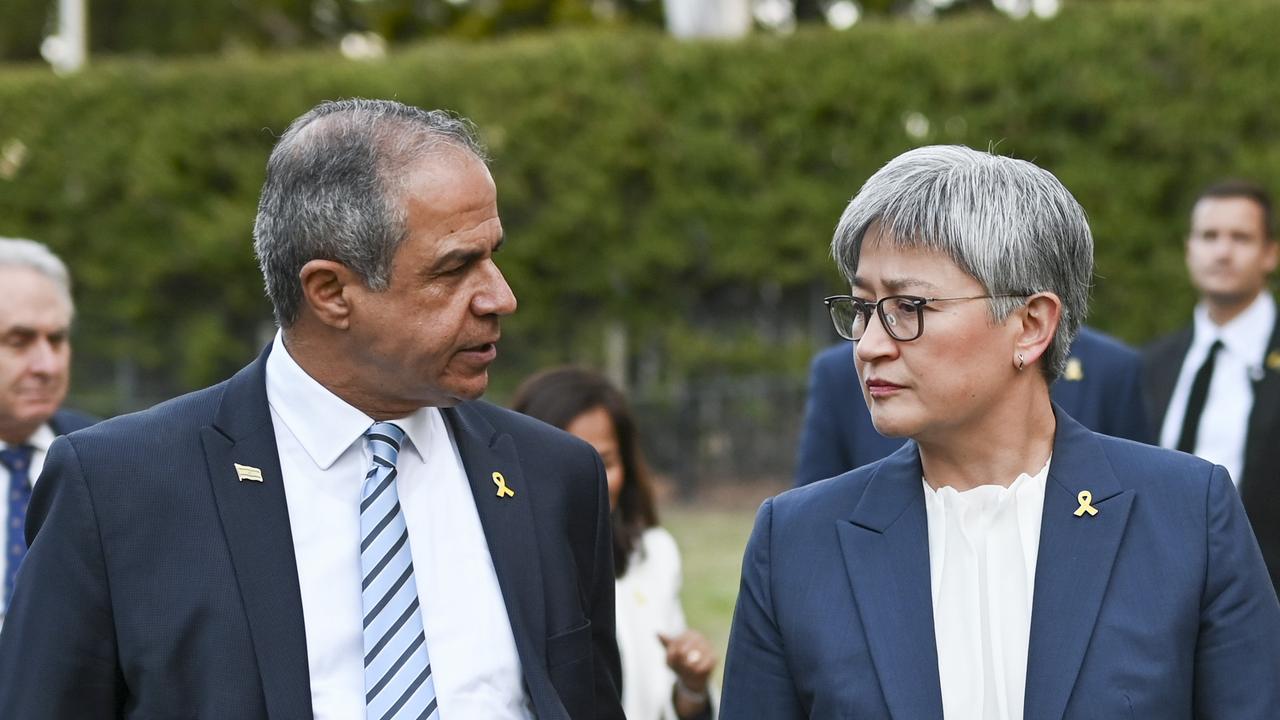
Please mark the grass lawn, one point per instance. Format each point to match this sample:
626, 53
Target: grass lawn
711, 544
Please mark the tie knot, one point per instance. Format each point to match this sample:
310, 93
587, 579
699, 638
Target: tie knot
16, 458
384, 440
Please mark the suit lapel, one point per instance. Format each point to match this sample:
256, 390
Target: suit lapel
1162, 376
1263, 420
255, 519
1073, 567
886, 554
513, 545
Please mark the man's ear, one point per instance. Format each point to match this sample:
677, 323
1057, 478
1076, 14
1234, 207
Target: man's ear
326, 291
1270, 255
1038, 323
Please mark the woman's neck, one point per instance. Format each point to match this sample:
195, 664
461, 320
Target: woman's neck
1017, 438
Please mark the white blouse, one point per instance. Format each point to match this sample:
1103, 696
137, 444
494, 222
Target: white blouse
982, 560
648, 603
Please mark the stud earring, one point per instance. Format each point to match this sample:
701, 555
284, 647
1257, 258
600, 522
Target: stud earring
1022, 362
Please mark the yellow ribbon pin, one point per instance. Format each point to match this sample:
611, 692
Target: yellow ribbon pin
504, 491
1085, 497
1074, 370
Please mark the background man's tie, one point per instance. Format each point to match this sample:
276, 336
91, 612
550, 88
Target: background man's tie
17, 460
397, 669
1196, 400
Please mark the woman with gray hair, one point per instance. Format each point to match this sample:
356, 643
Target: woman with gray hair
1007, 563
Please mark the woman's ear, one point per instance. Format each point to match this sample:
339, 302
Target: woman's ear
325, 291
1037, 326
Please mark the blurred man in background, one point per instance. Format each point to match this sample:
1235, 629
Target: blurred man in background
35, 370
1213, 388
1101, 388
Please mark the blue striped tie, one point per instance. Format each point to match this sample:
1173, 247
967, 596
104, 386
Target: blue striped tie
17, 460
397, 670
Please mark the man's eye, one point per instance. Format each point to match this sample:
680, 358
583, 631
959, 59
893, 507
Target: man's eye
906, 307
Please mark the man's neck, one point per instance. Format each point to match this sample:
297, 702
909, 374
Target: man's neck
318, 359
1222, 311
16, 434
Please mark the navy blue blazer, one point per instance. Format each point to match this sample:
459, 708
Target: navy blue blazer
158, 585
67, 421
1159, 606
838, 435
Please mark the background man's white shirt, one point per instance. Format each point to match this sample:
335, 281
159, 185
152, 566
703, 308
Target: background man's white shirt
1224, 425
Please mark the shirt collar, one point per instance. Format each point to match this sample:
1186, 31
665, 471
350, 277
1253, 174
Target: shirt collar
1016, 487
41, 439
1245, 336
299, 401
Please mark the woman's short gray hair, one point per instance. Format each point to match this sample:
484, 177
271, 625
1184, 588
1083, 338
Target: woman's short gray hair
334, 190
1009, 224
29, 254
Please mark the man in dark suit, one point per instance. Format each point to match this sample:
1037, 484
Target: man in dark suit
1101, 388
1213, 388
341, 530
35, 370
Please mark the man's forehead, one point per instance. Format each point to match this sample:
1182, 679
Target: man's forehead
33, 299
11, 323
1230, 206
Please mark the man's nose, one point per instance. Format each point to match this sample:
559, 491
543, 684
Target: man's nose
46, 358
496, 298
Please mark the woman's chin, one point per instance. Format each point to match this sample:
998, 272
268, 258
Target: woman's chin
892, 425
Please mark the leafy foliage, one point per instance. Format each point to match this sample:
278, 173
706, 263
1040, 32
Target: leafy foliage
686, 191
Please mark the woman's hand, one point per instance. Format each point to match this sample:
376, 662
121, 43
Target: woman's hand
690, 656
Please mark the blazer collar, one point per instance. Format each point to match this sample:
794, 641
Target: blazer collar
1161, 374
1073, 568
491, 462
255, 519
1263, 421
886, 550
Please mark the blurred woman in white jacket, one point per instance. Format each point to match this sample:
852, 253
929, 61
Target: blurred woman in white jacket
666, 667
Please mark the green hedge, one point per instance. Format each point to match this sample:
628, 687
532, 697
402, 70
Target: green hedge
685, 191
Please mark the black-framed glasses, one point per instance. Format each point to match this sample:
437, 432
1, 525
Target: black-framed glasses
901, 315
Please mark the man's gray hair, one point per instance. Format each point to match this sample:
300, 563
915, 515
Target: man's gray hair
29, 254
334, 190
1009, 224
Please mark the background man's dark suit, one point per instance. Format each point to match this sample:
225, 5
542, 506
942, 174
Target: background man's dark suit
68, 421
838, 435
1260, 482
180, 579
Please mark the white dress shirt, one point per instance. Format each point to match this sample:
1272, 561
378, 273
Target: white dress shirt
324, 458
40, 440
983, 545
1224, 425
